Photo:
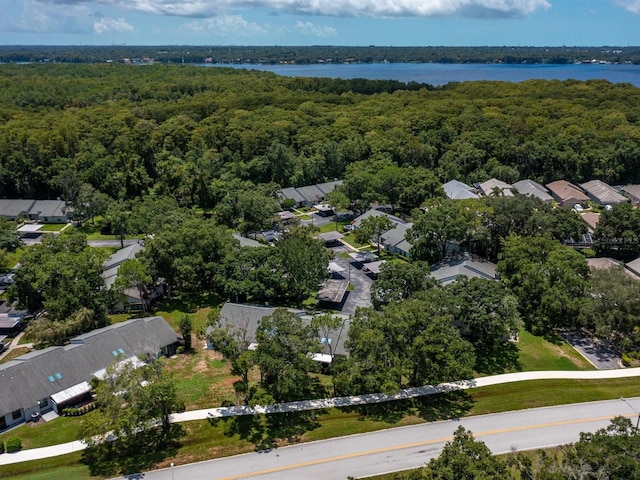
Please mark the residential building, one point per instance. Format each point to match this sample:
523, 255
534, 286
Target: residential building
632, 192
591, 219
13, 208
533, 189
44, 211
465, 264
395, 241
310, 194
567, 194
133, 298
50, 211
495, 188
246, 318
603, 194
377, 213
457, 190
57, 377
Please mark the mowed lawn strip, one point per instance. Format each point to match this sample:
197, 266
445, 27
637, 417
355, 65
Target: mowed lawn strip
64, 467
204, 441
537, 353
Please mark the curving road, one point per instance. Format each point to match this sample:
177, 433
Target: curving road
407, 447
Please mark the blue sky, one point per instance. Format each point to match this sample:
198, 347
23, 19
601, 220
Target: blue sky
321, 22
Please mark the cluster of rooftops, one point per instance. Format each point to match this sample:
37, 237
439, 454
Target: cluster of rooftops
45, 211
566, 194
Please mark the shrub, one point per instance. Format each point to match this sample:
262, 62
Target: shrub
180, 349
13, 445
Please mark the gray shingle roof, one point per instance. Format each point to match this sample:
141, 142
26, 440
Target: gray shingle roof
456, 190
11, 208
311, 193
248, 317
127, 253
377, 213
533, 189
42, 373
449, 269
632, 191
48, 208
602, 193
293, 194
492, 185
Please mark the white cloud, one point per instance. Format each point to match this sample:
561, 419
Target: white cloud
632, 6
336, 8
37, 17
309, 28
225, 25
105, 25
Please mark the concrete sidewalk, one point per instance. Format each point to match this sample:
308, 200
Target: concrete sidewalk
62, 449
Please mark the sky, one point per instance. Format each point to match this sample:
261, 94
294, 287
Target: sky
321, 22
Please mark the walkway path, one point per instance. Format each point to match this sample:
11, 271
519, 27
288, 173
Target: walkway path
14, 344
62, 449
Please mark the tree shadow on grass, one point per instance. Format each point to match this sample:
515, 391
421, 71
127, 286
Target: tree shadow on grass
266, 431
132, 455
189, 302
444, 406
497, 360
389, 412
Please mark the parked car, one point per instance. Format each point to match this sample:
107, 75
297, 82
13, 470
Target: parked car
578, 208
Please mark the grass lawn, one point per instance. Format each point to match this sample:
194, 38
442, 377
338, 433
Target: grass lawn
52, 227
331, 227
350, 238
13, 258
537, 353
65, 467
204, 380
42, 434
230, 437
16, 352
198, 306
92, 231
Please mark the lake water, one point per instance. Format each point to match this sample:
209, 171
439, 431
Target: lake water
441, 74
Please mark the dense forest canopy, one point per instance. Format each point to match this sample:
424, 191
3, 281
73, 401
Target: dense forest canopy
320, 54
199, 135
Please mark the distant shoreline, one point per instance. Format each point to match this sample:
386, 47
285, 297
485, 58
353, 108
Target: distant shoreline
317, 55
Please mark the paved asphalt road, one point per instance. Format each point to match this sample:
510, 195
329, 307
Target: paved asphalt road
600, 354
406, 447
360, 296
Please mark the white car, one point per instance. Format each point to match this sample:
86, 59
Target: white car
578, 208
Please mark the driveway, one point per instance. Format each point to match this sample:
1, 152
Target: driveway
601, 355
360, 296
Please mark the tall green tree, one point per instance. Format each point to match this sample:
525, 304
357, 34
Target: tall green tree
373, 227
548, 279
9, 237
282, 355
135, 407
485, 311
233, 341
612, 306
408, 344
463, 458
398, 281
439, 223
133, 273
186, 327
304, 264
61, 276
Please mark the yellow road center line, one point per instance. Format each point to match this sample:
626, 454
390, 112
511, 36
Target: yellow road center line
413, 445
